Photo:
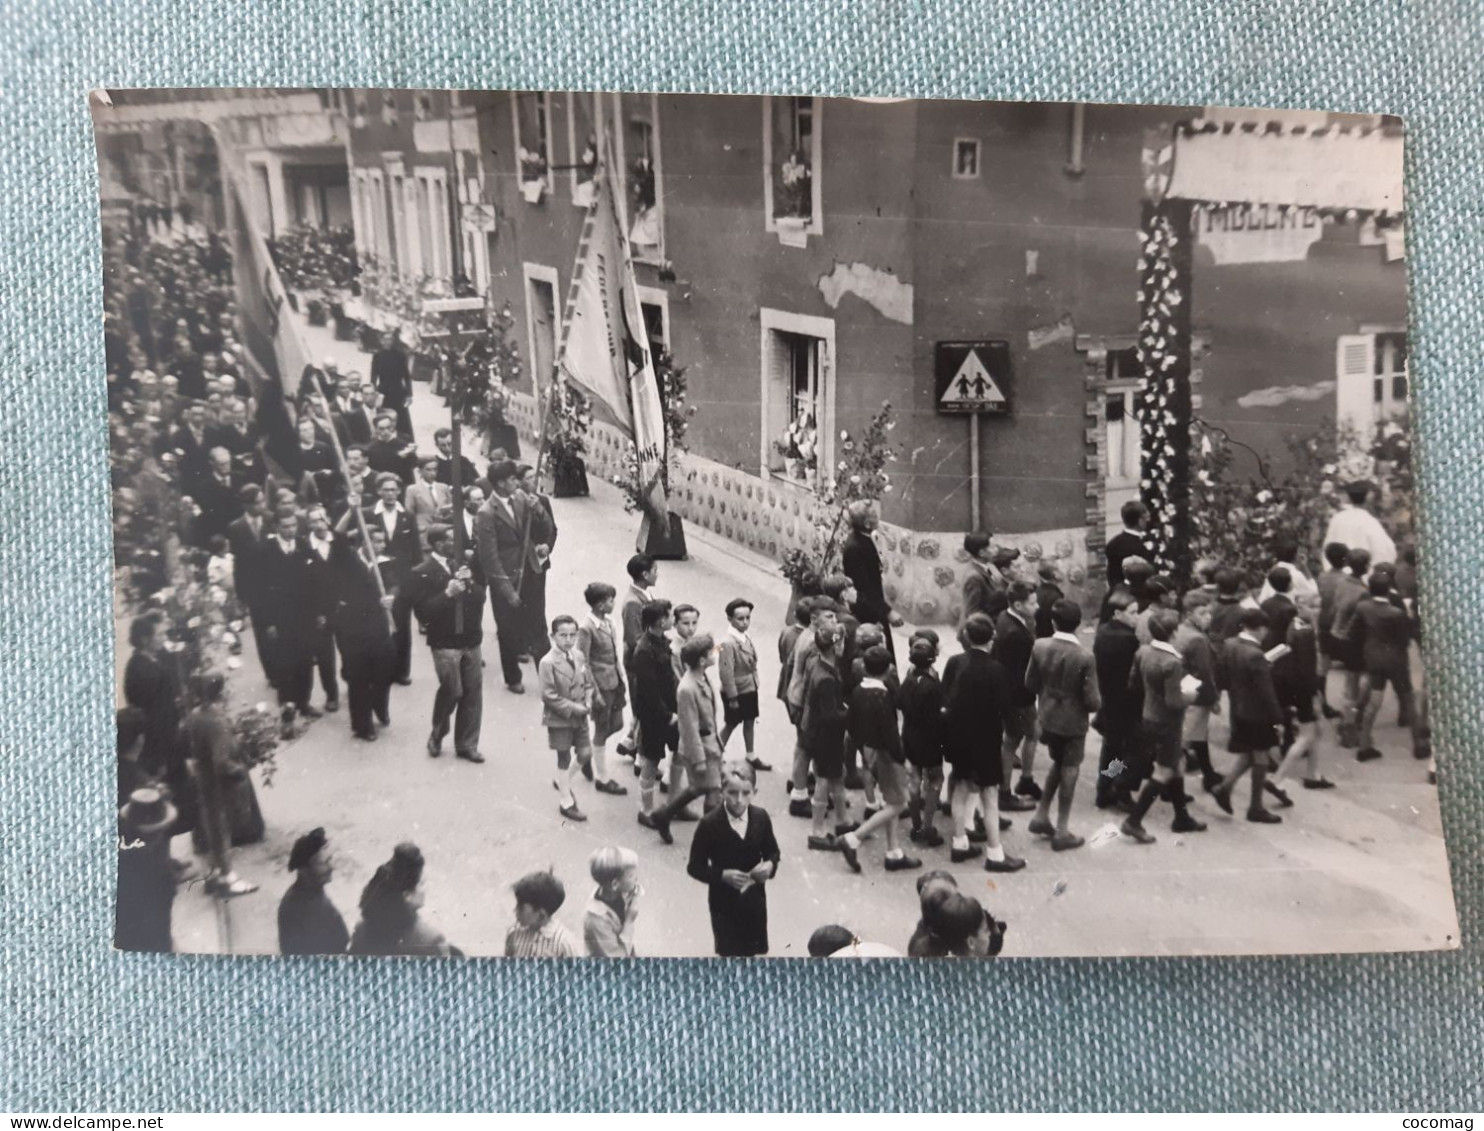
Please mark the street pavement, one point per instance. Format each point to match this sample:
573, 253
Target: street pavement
1358, 868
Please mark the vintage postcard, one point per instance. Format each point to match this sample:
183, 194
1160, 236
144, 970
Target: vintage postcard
558, 524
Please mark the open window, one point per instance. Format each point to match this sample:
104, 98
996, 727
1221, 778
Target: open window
798, 396
1371, 389
791, 167
636, 121
584, 131
1122, 451
966, 159
531, 112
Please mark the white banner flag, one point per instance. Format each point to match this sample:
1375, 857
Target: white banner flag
606, 351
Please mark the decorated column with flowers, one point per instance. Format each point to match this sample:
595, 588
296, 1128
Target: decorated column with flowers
1164, 352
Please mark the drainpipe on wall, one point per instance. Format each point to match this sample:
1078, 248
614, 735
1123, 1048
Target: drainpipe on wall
1075, 167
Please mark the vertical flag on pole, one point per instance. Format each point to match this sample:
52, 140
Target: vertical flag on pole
605, 349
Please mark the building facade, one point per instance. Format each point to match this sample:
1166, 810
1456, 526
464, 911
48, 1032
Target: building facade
805, 259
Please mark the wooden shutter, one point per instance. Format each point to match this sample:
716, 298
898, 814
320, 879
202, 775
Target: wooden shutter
778, 373
824, 410
1355, 412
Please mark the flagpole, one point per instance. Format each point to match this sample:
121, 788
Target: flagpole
621, 209
319, 387
542, 408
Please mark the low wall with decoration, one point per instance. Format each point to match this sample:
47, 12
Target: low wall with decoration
924, 569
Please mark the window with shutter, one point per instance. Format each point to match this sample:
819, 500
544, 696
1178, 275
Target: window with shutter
792, 155
1355, 412
798, 392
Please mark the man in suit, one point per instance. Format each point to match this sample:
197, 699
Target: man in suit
363, 634
245, 536
1127, 543
1013, 640
984, 584
217, 497
978, 698
468, 475
354, 423
544, 534
403, 545
390, 451
240, 438
192, 447
861, 562
449, 602
1063, 675
735, 854
323, 570
428, 501
512, 560
286, 617
391, 375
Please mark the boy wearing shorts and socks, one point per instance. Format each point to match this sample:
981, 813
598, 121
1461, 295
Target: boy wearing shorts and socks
921, 700
566, 699
1160, 670
652, 683
1382, 636
737, 670
822, 734
976, 703
1014, 636
597, 644
687, 623
821, 613
873, 731
1256, 714
1194, 645
697, 751
1064, 677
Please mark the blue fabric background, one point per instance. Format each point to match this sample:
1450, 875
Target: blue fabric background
85, 1029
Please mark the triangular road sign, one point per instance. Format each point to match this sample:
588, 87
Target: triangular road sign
972, 386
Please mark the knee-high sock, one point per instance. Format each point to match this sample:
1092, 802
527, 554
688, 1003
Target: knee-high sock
1147, 797
1175, 794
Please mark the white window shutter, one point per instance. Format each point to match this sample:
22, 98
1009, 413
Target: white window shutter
824, 410
1355, 370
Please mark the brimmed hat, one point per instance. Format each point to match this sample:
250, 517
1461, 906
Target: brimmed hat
147, 811
1004, 555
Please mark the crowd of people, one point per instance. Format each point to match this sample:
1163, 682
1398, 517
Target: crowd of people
321, 525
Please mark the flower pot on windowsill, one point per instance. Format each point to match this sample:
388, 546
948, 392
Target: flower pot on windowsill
793, 470
662, 545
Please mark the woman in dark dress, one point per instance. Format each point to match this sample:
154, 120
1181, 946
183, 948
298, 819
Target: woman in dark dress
735, 854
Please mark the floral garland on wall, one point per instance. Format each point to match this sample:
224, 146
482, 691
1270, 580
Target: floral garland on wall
1164, 391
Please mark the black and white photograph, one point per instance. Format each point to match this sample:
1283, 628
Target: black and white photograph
556, 524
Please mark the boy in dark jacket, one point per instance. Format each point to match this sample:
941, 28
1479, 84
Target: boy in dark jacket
1063, 674
652, 684
1226, 620
822, 734
1247, 676
978, 698
921, 701
1113, 651
1158, 667
873, 732
1381, 634
1014, 635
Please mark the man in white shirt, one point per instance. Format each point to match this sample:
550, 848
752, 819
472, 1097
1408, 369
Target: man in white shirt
1356, 527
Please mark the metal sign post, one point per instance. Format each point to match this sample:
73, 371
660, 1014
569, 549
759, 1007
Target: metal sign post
973, 379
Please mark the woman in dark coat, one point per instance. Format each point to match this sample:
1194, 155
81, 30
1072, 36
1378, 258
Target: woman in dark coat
390, 907
146, 881
735, 854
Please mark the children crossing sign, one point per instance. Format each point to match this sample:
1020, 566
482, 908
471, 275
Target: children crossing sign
973, 377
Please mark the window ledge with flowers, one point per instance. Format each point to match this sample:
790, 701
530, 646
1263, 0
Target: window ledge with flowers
799, 448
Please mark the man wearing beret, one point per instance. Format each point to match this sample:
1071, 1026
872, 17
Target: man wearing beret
308, 923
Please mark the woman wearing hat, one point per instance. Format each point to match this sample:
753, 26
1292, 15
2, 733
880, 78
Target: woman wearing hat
390, 907
146, 886
308, 923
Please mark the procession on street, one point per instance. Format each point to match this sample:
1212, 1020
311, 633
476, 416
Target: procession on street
1032, 571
